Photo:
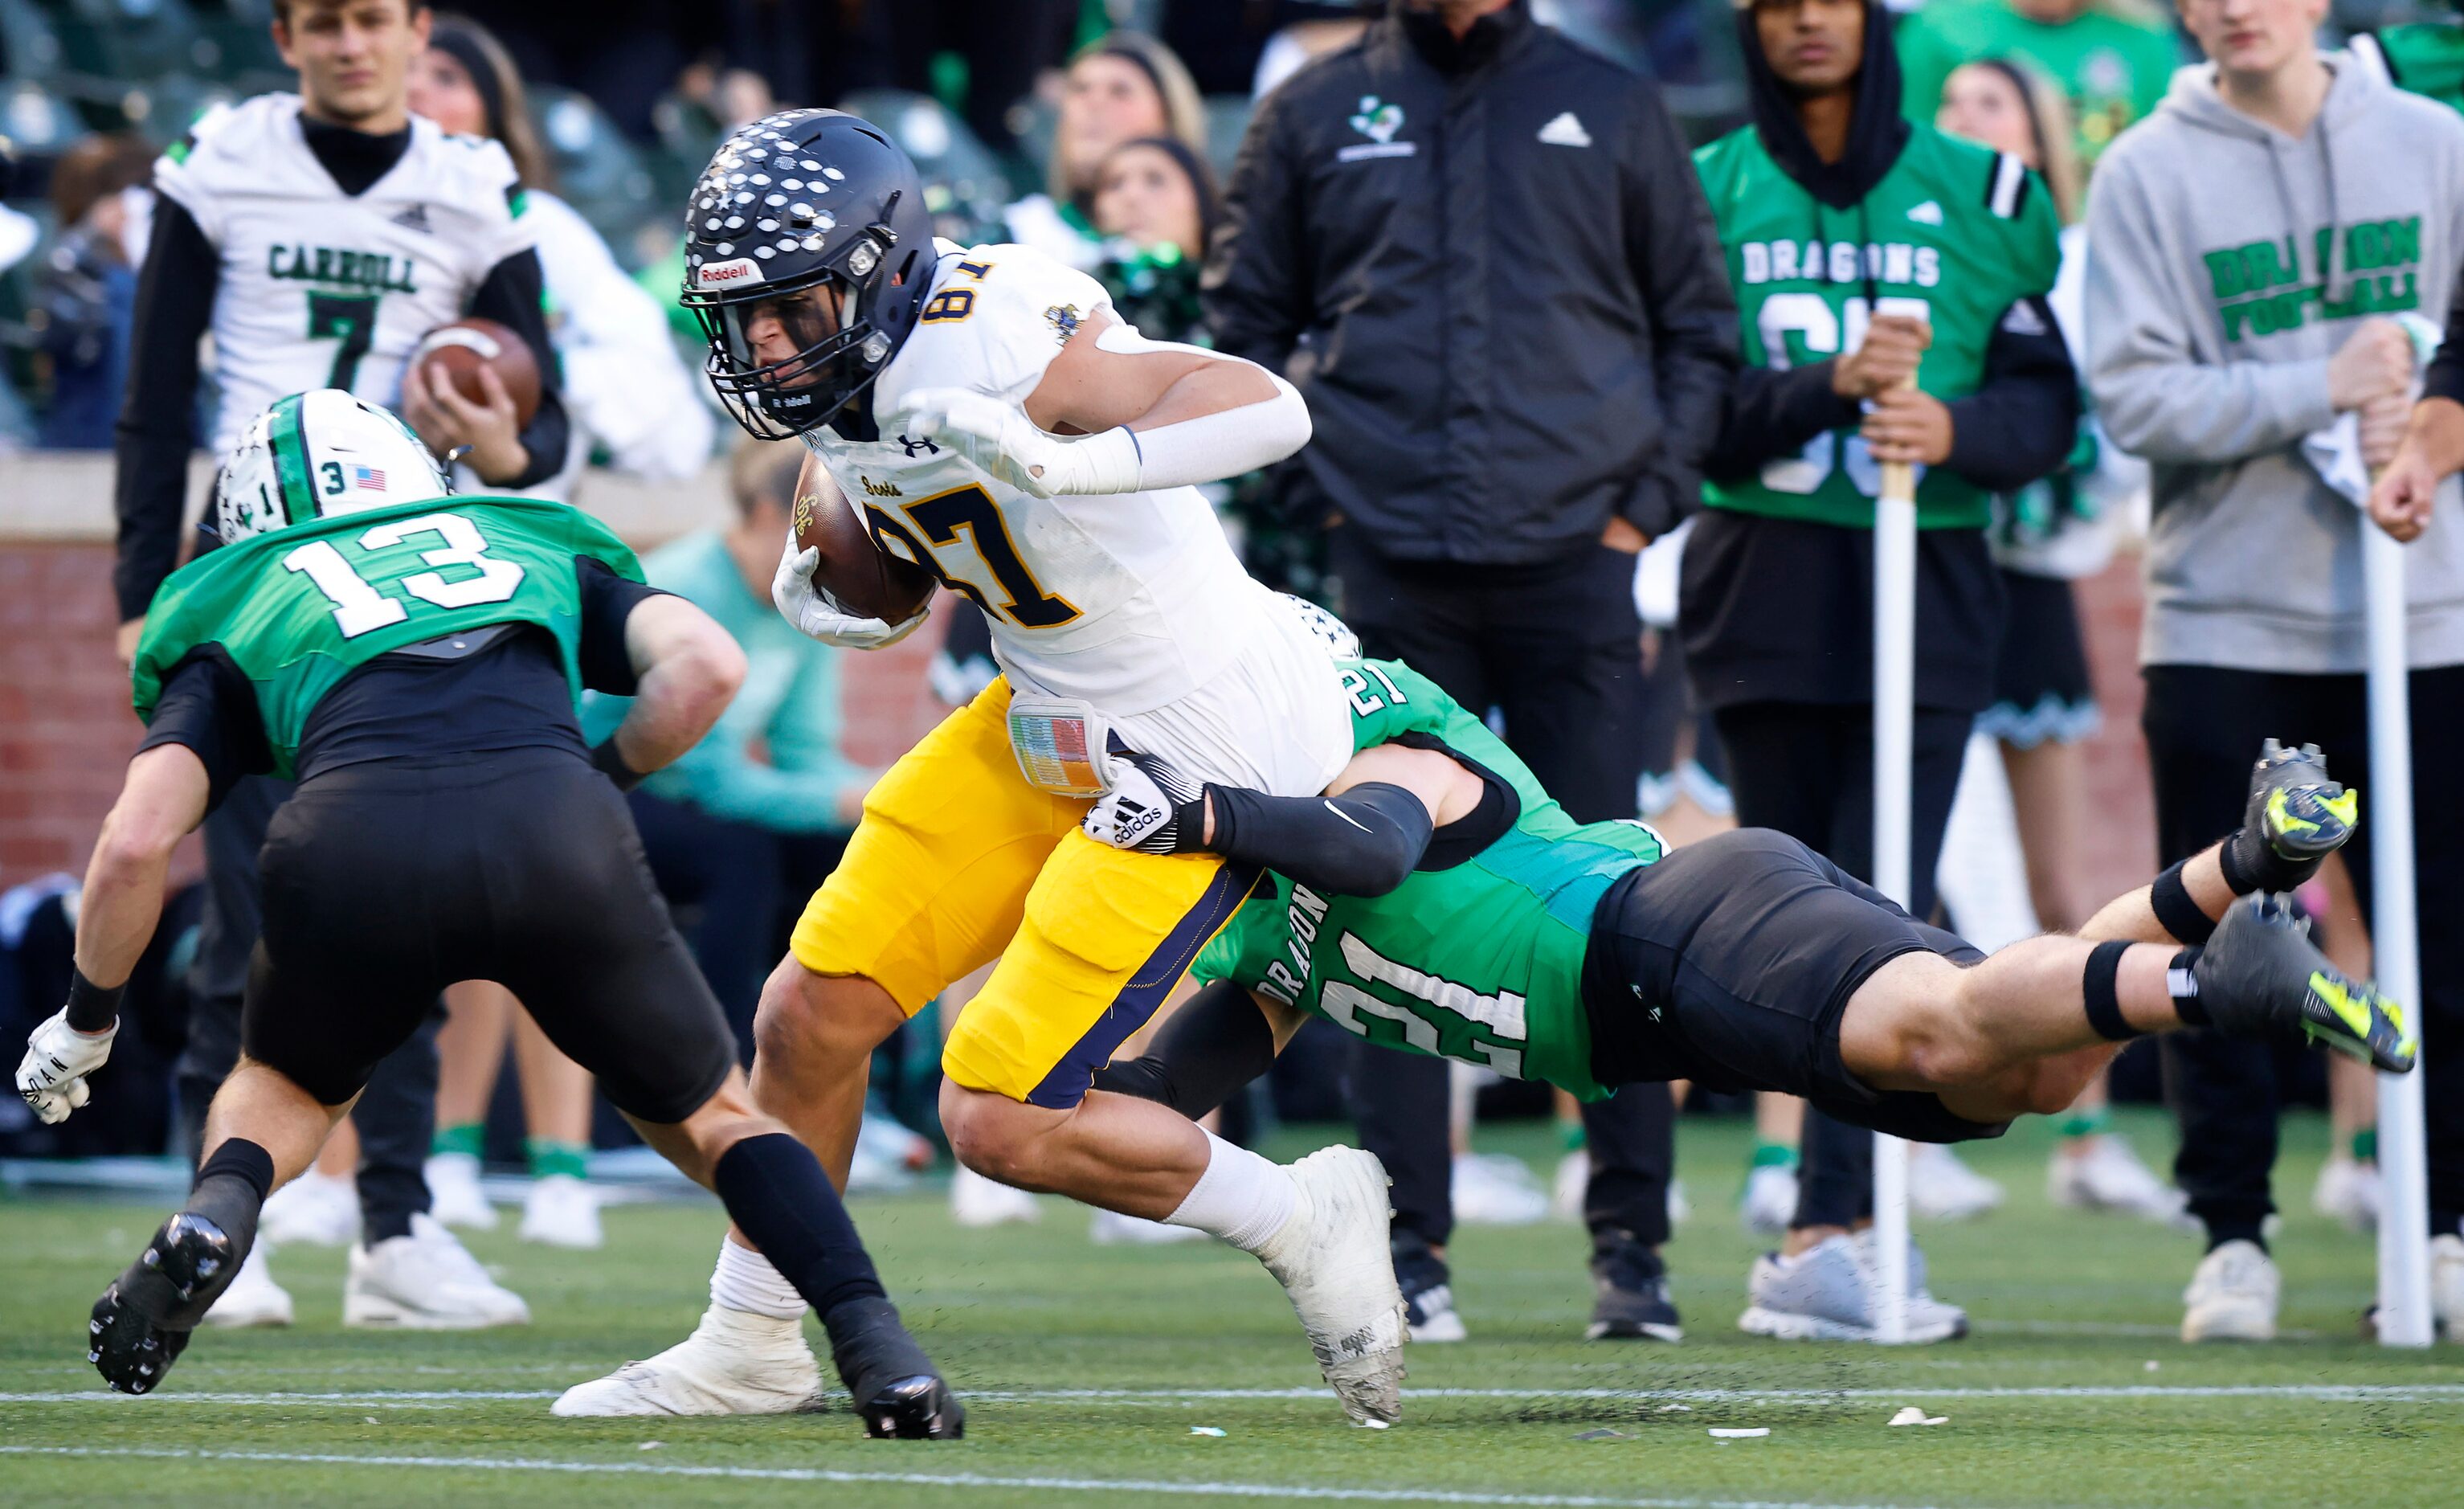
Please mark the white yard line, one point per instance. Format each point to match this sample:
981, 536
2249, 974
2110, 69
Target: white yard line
820, 1475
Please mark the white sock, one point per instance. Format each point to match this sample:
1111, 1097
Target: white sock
744, 1280
1241, 1197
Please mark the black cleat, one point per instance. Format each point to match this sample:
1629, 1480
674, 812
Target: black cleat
897, 1390
2300, 815
143, 1321
1632, 1301
2260, 974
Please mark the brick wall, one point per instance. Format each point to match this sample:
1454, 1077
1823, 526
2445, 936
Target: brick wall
2121, 843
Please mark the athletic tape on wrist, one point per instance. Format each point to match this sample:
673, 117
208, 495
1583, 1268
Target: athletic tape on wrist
2099, 982
2175, 912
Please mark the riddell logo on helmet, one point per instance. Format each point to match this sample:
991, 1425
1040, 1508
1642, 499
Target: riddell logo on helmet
742, 270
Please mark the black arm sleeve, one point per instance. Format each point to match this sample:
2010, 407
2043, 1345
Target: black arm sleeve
1771, 414
513, 295
209, 707
1215, 1044
175, 302
1672, 245
1365, 842
607, 600
2023, 418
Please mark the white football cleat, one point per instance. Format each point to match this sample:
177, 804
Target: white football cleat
316, 1209
2447, 1285
2232, 1296
1112, 1229
453, 1193
426, 1281
734, 1363
1332, 1259
2348, 1191
978, 1201
1495, 1189
1942, 1187
2107, 1175
1768, 1203
562, 1210
253, 1297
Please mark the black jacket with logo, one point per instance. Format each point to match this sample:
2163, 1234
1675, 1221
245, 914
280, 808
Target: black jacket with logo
1489, 267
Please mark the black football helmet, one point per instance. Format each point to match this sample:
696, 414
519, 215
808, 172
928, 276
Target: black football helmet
807, 248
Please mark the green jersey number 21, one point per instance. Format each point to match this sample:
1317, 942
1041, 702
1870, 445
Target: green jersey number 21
359, 608
1817, 329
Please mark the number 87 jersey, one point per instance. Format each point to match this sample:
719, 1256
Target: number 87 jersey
1129, 600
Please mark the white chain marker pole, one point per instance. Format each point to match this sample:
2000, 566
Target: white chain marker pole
2404, 1162
1895, 670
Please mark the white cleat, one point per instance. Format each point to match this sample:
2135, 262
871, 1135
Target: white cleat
253, 1297
562, 1210
1332, 1259
315, 1210
1769, 1201
2447, 1285
426, 1281
2232, 1296
2107, 1175
1112, 1229
1495, 1189
1942, 1187
734, 1363
2348, 1191
978, 1201
453, 1193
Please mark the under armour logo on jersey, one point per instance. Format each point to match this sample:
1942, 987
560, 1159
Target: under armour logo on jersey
414, 218
1927, 214
913, 447
1565, 131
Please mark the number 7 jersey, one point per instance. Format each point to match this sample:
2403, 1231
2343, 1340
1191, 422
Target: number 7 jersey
1129, 600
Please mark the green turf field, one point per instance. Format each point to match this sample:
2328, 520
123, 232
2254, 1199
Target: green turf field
1088, 1368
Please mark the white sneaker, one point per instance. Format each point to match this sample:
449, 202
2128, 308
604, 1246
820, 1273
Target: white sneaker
2232, 1296
562, 1210
734, 1363
453, 1193
313, 1210
2107, 1175
1769, 1201
977, 1201
253, 1297
1572, 1182
1679, 1208
426, 1281
2447, 1285
1942, 1187
1495, 1189
1332, 1259
886, 1157
1827, 1293
2348, 1191
1112, 1229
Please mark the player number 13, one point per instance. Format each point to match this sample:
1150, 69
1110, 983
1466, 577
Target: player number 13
359, 608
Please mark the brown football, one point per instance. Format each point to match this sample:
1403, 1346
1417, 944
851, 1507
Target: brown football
455, 353
853, 569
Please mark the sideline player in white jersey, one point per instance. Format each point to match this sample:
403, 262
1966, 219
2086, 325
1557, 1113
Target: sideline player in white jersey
993, 420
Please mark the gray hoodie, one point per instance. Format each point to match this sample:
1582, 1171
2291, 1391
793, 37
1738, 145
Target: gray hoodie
2216, 295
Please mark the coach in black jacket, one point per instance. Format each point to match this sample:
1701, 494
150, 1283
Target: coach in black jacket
1484, 257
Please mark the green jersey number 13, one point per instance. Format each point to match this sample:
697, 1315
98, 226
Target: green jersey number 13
1817, 327
359, 608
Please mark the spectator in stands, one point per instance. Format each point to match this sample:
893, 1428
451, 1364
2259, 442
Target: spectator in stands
624, 54
1831, 205
1156, 206
1005, 45
624, 386
2045, 535
2229, 335
712, 821
1120, 87
86, 294
2111, 59
1513, 342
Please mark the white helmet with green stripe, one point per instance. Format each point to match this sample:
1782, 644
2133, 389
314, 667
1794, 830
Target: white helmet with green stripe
316, 455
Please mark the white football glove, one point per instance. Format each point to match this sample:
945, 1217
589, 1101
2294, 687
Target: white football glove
1002, 440
817, 615
52, 1076
1149, 808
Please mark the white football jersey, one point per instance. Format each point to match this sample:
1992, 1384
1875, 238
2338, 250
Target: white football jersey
321, 289
1133, 601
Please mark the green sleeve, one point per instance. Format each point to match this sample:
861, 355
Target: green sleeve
807, 735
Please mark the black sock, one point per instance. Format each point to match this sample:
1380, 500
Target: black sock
2221, 1232
777, 1193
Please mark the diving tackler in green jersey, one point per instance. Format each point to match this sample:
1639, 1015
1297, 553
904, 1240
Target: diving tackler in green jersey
1953, 236
1480, 962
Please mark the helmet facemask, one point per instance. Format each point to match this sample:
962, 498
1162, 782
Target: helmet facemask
785, 360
